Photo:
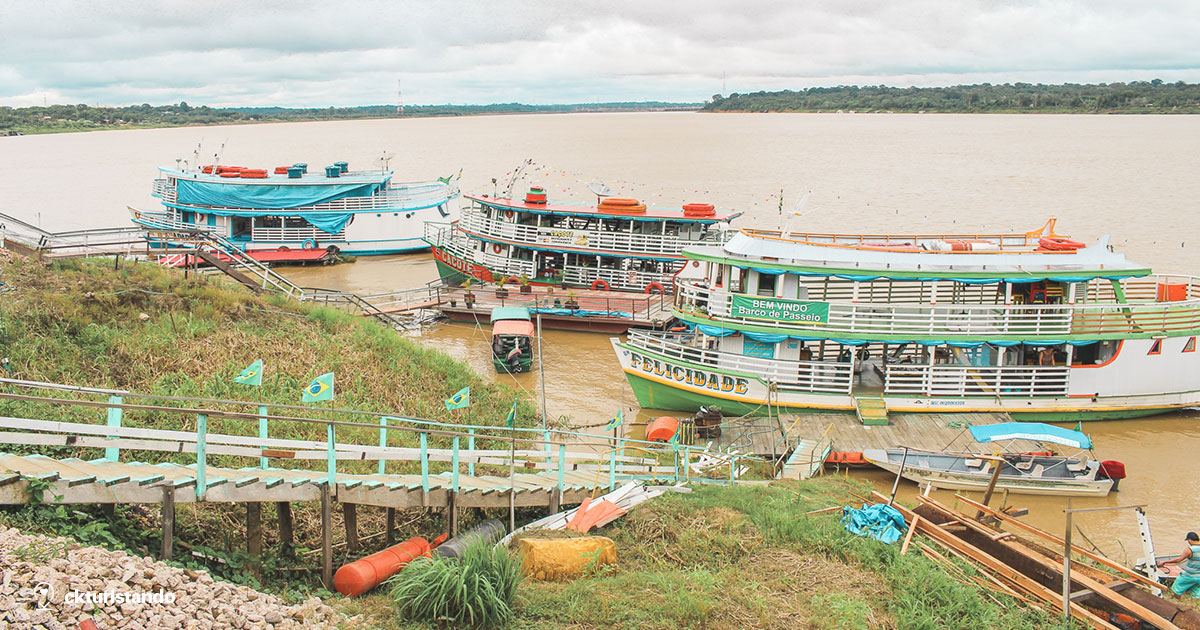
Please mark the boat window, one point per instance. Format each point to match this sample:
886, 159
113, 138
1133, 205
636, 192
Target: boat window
738, 283
295, 222
1094, 353
268, 222
766, 284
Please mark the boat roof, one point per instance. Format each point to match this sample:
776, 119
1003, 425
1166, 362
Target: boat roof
651, 214
518, 327
311, 178
854, 257
509, 312
1036, 431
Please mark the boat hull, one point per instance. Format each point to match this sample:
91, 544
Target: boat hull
971, 482
662, 382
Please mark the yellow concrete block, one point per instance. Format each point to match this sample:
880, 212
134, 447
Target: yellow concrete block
565, 558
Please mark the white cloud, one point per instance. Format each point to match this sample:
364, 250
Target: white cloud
310, 53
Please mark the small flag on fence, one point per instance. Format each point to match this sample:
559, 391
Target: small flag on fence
674, 438
616, 422
321, 388
252, 375
511, 420
459, 400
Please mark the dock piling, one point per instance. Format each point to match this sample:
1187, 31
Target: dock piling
327, 536
168, 523
286, 542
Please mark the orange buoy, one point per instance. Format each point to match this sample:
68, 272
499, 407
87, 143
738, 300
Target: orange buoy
360, 576
281, 170
661, 429
231, 174
254, 173
655, 287
698, 210
1058, 244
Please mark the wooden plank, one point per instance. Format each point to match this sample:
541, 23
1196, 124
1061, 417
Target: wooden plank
254, 537
327, 537
168, 524
350, 519
912, 527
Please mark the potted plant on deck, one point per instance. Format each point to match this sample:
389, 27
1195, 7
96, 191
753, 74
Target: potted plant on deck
501, 288
523, 280
571, 301
468, 297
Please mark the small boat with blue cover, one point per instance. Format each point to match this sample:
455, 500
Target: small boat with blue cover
1040, 473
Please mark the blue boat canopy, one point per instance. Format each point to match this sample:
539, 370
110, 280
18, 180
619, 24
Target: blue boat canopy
509, 312
227, 200
1030, 431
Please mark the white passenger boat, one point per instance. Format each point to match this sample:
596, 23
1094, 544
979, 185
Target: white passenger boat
333, 208
1031, 324
615, 245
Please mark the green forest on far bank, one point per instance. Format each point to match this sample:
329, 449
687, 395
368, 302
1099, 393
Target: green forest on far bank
1137, 97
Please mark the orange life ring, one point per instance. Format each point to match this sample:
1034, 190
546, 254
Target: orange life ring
654, 285
1059, 244
508, 214
497, 249
599, 284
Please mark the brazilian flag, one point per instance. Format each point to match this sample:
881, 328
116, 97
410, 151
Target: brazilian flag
512, 415
321, 388
616, 422
674, 437
459, 400
252, 375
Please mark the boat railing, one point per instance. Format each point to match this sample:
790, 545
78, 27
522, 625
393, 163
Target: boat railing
794, 376
565, 238
1006, 381
951, 320
618, 279
1003, 240
399, 198
289, 234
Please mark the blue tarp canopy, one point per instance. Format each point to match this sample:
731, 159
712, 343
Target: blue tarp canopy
881, 522
1030, 431
259, 200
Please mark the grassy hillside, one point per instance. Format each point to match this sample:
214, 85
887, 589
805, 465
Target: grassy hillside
148, 330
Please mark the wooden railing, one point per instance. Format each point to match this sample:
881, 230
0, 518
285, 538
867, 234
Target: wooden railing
965, 380
569, 239
799, 376
957, 321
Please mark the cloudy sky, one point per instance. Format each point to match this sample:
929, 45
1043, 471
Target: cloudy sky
298, 53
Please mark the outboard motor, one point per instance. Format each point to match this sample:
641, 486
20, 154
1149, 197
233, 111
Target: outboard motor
1112, 469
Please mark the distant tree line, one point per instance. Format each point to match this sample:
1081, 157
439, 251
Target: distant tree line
1137, 97
62, 118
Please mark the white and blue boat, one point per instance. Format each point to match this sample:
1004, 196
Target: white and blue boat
332, 208
1041, 472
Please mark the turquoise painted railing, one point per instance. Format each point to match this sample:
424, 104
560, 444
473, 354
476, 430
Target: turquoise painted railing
681, 455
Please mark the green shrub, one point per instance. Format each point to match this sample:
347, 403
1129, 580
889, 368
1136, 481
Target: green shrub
476, 590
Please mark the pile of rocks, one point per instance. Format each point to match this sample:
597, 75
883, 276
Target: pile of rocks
54, 584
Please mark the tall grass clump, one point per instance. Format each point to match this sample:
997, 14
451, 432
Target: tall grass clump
475, 591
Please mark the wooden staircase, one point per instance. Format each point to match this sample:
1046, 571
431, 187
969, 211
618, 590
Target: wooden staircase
871, 411
228, 269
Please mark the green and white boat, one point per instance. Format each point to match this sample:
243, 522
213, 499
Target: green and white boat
1031, 324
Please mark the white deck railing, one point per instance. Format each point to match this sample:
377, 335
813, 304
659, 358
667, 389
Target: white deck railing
290, 234
967, 320
569, 239
460, 245
396, 198
964, 380
801, 376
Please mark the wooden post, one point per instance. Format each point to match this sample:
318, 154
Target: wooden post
555, 500
899, 472
991, 487
254, 537
168, 523
1066, 575
452, 512
350, 514
286, 542
109, 511
391, 526
327, 536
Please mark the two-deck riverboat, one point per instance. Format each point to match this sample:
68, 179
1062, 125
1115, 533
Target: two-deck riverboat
1034, 325
334, 208
617, 245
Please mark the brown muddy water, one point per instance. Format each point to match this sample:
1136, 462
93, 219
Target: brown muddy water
1130, 176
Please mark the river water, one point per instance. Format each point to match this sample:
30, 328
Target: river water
1133, 177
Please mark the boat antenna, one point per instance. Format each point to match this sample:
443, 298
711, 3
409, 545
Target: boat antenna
385, 160
600, 189
799, 211
513, 180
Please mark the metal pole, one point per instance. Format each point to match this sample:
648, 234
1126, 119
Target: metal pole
1066, 584
541, 369
896, 484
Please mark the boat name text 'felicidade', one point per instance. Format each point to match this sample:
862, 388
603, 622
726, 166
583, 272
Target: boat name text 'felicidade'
716, 382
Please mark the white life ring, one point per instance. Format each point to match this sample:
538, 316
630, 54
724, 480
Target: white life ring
309, 244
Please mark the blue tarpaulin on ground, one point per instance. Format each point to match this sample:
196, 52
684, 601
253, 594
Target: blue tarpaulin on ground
879, 521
